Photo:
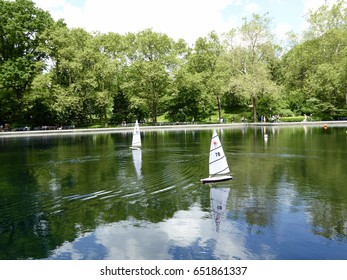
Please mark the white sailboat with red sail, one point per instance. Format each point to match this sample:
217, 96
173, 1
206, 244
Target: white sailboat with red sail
218, 165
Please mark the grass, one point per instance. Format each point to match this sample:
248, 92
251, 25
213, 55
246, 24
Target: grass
228, 117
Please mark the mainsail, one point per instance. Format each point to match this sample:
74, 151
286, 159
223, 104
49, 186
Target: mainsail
136, 143
218, 163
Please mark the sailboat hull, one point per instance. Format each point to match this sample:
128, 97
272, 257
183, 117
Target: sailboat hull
216, 179
135, 148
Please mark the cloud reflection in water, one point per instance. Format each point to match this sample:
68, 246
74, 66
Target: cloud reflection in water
189, 234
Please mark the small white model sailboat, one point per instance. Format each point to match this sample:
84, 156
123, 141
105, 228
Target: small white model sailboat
136, 143
218, 165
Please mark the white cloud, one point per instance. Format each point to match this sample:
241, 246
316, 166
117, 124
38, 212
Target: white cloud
140, 240
177, 18
186, 227
187, 19
52, 5
312, 5
252, 8
281, 30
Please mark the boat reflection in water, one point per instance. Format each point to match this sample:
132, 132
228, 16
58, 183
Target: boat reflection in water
137, 160
218, 201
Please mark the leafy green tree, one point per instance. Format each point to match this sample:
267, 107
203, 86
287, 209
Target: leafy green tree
72, 84
108, 72
251, 62
190, 101
314, 71
205, 61
197, 82
114, 48
84, 74
325, 18
21, 55
152, 58
314, 74
39, 102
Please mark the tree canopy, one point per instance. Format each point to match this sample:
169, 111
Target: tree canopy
21, 55
51, 74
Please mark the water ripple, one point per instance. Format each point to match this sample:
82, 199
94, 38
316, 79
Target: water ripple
87, 196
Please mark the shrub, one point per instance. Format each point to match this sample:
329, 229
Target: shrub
292, 119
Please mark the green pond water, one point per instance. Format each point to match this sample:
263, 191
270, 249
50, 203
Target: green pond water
91, 197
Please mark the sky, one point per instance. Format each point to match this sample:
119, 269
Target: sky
186, 19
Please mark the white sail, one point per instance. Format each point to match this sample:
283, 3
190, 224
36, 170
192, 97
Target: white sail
218, 199
218, 163
136, 143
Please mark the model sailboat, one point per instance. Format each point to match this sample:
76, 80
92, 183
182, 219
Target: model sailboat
218, 165
136, 143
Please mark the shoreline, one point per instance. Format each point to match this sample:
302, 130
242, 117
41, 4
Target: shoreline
79, 131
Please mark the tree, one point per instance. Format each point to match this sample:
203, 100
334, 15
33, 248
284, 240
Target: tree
251, 60
190, 100
84, 76
151, 59
325, 18
205, 63
114, 48
108, 70
21, 55
314, 74
72, 84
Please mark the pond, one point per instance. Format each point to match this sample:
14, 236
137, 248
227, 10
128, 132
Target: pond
91, 197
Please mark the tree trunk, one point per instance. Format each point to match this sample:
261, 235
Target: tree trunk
254, 108
105, 117
219, 108
154, 112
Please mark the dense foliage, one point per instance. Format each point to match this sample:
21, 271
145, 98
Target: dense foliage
51, 74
